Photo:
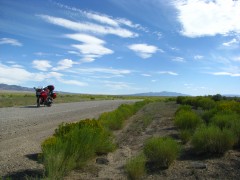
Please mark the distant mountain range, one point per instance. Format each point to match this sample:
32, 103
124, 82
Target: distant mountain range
7, 87
163, 93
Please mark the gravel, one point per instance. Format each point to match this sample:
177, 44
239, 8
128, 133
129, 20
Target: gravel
22, 129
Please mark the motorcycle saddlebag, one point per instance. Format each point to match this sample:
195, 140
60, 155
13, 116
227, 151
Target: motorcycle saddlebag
54, 95
50, 87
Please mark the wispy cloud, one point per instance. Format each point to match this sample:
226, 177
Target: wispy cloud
103, 70
178, 59
143, 50
208, 18
236, 59
10, 41
233, 42
91, 47
146, 75
117, 85
42, 65
198, 57
103, 18
168, 72
226, 74
88, 27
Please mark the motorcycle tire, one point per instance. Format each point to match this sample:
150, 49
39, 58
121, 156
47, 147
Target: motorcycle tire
38, 102
49, 102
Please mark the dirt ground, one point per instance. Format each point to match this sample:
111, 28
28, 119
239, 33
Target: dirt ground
155, 119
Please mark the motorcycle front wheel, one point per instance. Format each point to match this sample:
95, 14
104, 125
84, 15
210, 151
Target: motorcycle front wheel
38, 102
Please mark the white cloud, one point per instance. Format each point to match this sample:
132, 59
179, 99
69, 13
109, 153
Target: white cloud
208, 17
42, 65
233, 42
19, 75
143, 50
198, 57
88, 27
72, 82
117, 85
168, 72
14, 75
10, 41
146, 75
101, 18
178, 59
236, 59
103, 70
85, 38
226, 74
92, 51
91, 46
64, 64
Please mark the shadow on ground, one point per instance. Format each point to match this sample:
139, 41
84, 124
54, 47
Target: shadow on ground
27, 173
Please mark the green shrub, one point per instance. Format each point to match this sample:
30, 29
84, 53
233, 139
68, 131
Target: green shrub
207, 103
229, 106
208, 114
187, 120
224, 119
135, 167
235, 128
73, 148
115, 120
212, 140
183, 108
161, 151
186, 135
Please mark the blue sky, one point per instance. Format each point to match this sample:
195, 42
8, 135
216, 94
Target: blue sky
122, 46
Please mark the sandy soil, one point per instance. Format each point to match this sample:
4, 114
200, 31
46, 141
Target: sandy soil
130, 142
22, 129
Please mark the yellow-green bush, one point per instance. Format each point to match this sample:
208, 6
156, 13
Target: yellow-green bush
161, 151
213, 140
186, 119
229, 106
135, 167
72, 145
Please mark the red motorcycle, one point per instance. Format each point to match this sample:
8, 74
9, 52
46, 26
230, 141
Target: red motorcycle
45, 95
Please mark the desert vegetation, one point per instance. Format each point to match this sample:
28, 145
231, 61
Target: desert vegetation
73, 144
206, 127
214, 122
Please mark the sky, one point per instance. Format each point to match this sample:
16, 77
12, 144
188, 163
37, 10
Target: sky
122, 46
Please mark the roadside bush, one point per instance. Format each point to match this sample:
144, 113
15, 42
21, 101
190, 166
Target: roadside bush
183, 108
224, 119
161, 151
235, 128
229, 106
72, 148
208, 114
115, 120
212, 140
185, 119
186, 135
64, 128
206, 103
135, 167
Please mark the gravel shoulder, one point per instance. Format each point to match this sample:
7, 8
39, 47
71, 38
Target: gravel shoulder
22, 129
